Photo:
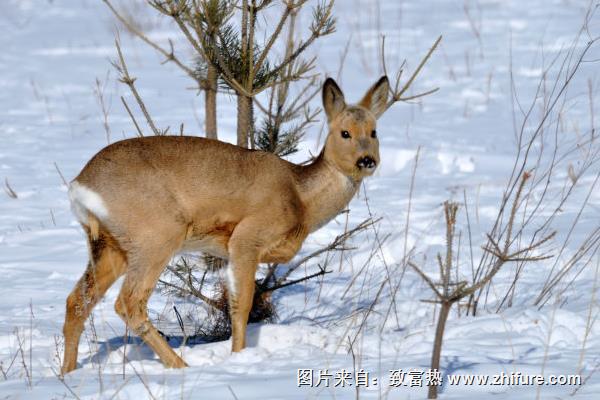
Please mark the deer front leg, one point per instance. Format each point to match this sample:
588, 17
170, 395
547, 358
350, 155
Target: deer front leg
241, 270
255, 240
240, 287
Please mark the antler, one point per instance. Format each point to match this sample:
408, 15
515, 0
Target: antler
397, 91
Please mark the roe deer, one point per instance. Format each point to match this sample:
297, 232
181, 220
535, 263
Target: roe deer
141, 200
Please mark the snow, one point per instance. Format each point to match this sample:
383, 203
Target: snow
51, 120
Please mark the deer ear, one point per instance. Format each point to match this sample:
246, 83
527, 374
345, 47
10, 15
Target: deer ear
376, 97
333, 99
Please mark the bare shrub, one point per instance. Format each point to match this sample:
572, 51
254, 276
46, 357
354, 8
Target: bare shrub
533, 200
453, 290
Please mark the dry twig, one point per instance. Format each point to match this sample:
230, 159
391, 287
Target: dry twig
121, 66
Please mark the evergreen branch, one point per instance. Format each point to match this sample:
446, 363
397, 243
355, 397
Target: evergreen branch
324, 24
169, 55
299, 73
190, 291
294, 107
274, 36
175, 11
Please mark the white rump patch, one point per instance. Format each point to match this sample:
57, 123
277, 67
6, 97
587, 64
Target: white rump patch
230, 279
84, 201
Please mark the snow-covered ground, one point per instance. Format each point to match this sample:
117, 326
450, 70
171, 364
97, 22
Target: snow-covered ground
54, 61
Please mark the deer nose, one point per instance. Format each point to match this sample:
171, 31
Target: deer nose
366, 162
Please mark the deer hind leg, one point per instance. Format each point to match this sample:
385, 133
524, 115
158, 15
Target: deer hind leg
132, 302
107, 264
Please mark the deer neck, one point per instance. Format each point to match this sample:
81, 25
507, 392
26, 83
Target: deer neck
324, 191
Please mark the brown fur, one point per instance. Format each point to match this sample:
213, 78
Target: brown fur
164, 194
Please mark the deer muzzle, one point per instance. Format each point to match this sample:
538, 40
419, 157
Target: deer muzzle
366, 162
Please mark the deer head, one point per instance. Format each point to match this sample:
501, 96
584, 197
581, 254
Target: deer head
352, 145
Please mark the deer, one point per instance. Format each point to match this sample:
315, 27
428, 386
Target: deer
141, 201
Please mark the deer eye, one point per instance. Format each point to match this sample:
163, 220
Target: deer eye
346, 134
373, 133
